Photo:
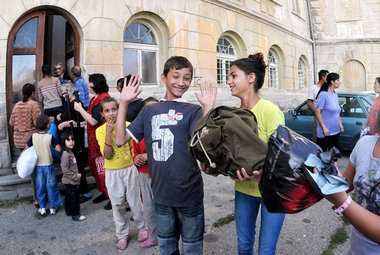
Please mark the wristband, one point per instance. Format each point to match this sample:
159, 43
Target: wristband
344, 206
106, 144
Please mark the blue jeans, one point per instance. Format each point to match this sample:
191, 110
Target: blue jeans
46, 185
173, 222
246, 210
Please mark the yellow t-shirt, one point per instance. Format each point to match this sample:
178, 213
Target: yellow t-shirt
268, 117
121, 156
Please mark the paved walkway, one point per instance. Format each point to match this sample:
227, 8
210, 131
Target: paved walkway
307, 232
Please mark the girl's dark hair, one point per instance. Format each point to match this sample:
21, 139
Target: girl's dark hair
46, 69
378, 79
27, 91
325, 86
253, 64
100, 83
65, 136
107, 100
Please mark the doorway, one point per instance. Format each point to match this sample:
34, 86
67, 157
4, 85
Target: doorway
38, 38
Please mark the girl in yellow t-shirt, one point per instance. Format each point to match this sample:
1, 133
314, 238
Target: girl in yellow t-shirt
245, 79
121, 175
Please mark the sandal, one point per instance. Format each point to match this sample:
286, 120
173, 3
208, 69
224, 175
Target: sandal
143, 235
148, 244
122, 244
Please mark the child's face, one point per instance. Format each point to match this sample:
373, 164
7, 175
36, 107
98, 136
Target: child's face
177, 82
69, 143
109, 111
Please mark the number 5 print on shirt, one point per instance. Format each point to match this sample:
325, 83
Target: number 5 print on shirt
162, 138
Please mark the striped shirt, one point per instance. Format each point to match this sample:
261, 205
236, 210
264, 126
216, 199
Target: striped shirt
49, 92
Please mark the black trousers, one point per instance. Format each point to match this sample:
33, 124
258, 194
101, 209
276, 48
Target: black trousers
72, 203
327, 142
81, 158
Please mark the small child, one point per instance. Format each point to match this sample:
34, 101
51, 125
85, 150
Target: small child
46, 179
140, 159
121, 175
71, 177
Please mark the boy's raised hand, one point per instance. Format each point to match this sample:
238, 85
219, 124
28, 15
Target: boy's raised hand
207, 97
131, 90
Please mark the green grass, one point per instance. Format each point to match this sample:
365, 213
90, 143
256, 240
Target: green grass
12, 203
339, 237
224, 221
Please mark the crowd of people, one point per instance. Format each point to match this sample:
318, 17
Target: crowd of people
137, 152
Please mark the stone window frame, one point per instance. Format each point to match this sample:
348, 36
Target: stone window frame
295, 7
223, 56
141, 47
272, 69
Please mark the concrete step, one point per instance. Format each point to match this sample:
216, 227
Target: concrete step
13, 186
25, 191
6, 171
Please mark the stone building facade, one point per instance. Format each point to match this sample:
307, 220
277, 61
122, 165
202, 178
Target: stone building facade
118, 37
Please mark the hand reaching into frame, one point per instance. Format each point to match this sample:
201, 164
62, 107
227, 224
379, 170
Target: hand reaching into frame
131, 90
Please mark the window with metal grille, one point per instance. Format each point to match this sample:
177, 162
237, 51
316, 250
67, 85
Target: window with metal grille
301, 74
225, 54
273, 70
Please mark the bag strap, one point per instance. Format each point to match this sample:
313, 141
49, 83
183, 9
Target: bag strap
194, 142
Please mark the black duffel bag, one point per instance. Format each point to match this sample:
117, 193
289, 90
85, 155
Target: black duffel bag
284, 184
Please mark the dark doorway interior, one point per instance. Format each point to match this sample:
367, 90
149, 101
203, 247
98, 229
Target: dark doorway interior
59, 41
38, 38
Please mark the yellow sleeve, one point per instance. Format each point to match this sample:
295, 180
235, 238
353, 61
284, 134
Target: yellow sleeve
275, 118
101, 138
130, 142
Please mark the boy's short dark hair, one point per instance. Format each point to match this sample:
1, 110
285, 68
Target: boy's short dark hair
64, 136
121, 81
42, 122
322, 74
177, 62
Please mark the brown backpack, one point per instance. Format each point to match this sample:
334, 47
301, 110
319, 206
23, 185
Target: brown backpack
226, 139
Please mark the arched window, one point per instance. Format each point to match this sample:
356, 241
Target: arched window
301, 73
273, 70
225, 54
141, 52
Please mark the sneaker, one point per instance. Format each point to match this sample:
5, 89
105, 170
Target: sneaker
41, 213
81, 218
53, 211
122, 244
108, 206
148, 244
100, 198
84, 198
143, 235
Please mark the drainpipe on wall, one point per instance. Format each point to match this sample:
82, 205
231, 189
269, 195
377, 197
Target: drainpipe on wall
313, 41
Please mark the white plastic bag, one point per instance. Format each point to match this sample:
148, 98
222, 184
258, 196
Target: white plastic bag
27, 162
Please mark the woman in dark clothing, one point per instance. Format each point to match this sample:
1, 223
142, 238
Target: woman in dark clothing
98, 87
69, 122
